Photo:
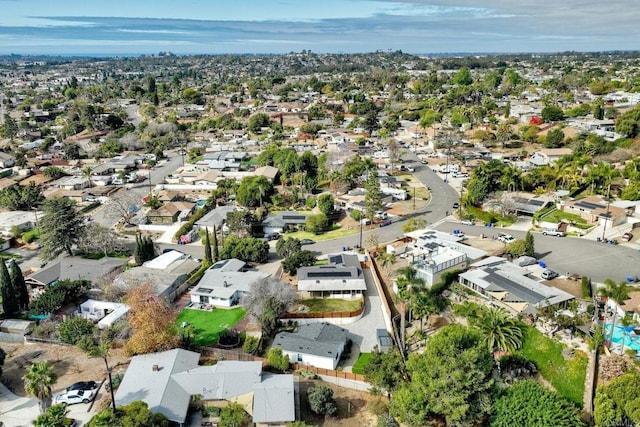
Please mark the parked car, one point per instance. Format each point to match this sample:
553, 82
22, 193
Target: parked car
381, 215
74, 396
365, 221
552, 232
83, 385
626, 237
307, 242
506, 238
455, 205
272, 236
411, 169
549, 274
458, 233
385, 223
468, 222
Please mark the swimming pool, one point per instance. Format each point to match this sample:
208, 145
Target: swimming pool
631, 340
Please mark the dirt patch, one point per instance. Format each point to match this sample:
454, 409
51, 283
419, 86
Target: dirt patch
486, 244
571, 286
352, 407
70, 364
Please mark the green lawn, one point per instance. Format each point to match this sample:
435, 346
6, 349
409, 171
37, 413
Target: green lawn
363, 359
566, 376
318, 305
483, 216
558, 215
209, 325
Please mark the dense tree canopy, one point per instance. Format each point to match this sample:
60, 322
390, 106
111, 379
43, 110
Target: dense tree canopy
529, 404
451, 380
618, 402
61, 227
249, 249
253, 191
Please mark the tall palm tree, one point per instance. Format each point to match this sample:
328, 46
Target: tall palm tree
618, 292
410, 286
501, 331
387, 260
38, 381
102, 350
87, 171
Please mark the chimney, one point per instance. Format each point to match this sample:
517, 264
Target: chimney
225, 284
155, 368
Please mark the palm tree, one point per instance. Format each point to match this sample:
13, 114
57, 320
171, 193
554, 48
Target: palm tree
387, 260
101, 350
501, 332
38, 381
410, 286
618, 292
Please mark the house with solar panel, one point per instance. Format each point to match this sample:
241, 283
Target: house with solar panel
595, 210
342, 277
282, 221
511, 287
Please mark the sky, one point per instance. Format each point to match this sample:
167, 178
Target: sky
131, 27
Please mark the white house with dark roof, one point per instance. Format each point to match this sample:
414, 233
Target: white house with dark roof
281, 221
166, 382
224, 283
509, 286
314, 344
342, 277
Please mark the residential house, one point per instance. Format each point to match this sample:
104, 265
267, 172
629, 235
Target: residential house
509, 286
548, 156
72, 183
342, 277
73, 268
524, 203
313, 344
595, 210
6, 160
166, 274
106, 313
215, 217
170, 213
225, 283
20, 220
168, 380
281, 221
268, 172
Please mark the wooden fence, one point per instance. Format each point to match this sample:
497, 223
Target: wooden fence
329, 372
225, 354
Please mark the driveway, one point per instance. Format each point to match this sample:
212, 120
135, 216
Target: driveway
16, 411
363, 331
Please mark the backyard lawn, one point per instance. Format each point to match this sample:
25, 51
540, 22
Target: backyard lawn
363, 359
318, 305
566, 376
209, 325
328, 235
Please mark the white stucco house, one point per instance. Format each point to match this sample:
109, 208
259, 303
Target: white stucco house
342, 277
314, 344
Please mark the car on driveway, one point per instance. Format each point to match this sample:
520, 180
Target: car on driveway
307, 242
74, 396
552, 232
83, 385
626, 237
506, 238
549, 274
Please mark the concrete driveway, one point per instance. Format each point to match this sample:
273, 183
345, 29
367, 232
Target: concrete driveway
16, 411
363, 331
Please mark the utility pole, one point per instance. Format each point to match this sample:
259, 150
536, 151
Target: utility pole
606, 215
360, 244
150, 187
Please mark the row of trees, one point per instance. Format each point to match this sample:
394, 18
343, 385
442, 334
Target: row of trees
14, 292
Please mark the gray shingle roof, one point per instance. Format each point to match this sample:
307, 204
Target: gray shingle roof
319, 339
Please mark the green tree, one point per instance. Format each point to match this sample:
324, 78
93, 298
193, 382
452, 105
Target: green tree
321, 400
325, 203
54, 416
258, 121
301, 258
385, 371
413, 224
373, 196
463, 77
253, 190
552, 114
529, 404
617, 403
10, 295
135, 414
73, 329
248, 249
316, 223
450, 380
38, 381
232, 415
207, 261
529, 245
387, 260
287, 246
250, 345
554, 138
61, 227
216, 250
277, 360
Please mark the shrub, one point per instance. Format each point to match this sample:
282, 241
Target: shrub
310, 202
321, 400
586, 287
277, 360
250, 345
30, 236
73, 329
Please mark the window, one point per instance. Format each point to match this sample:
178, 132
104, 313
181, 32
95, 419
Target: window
299, 357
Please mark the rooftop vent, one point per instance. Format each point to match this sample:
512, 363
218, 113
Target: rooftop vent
155, 368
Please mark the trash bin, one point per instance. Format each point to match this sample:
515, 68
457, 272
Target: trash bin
542, 264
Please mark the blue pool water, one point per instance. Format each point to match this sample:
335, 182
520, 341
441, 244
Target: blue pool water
631, 340
200, 204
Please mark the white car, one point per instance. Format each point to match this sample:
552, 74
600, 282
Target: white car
468, 222
553, 232
506, 238
74, 396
